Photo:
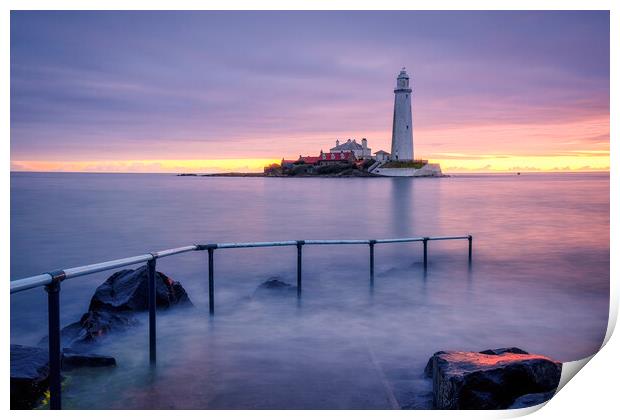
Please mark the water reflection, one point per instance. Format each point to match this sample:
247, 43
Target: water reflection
403, 216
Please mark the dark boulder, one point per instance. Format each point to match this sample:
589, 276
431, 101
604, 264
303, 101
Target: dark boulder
428, 370
92, 327
72, 359
274, 283
96, 324
274, 286
127, 290
530, 400
29, 376
30, 371
490, 380
115, 302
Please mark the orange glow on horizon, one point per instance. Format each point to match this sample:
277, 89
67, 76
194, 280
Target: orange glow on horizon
565, 146
578, 162
559, 147
147, 166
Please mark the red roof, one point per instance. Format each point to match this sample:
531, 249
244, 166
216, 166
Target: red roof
313, 160
338, 156
304, 159
310, 160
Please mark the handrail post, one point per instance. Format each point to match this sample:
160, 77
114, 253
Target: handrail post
152, 297
53, 308
211, 288
371, 245
469, 239
425, 241
299, 245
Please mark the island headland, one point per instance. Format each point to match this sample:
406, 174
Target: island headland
353, 159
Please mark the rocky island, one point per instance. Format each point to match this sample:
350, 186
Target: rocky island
364, 169
353, 159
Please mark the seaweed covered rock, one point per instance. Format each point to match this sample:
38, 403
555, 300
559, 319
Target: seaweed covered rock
494, 379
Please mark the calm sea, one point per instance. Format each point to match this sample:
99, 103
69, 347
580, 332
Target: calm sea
539, 281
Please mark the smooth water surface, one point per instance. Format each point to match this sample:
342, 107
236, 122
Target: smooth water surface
539, 280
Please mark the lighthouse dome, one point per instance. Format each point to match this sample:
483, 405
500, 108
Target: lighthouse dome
402, 81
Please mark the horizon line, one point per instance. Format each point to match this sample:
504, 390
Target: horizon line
250, 172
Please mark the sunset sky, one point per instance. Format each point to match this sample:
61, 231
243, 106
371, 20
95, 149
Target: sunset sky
219, 91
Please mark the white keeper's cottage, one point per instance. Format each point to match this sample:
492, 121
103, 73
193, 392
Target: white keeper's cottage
361, 151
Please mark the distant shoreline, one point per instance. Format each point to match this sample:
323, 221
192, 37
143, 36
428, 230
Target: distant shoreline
258, 174
262, 175
229, 174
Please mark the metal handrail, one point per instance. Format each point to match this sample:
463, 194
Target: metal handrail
397, 240
174, 251
255, 244
46, 278
336, 241
108, 265
53, 279
30, 282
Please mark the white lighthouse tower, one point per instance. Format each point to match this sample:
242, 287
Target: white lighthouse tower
402, 126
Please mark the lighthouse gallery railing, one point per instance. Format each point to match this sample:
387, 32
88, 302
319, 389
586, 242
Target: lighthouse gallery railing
52, 280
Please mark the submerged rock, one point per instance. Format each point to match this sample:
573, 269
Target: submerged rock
127, 290
29, 376
72, 359
274, 285
490, 380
